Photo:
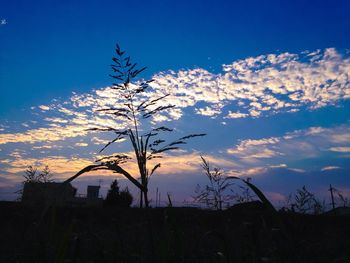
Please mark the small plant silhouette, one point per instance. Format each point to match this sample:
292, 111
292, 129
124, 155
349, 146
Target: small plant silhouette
304, 201
213, 195
245, 195
32, 175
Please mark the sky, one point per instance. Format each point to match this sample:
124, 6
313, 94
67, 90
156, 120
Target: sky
267, 81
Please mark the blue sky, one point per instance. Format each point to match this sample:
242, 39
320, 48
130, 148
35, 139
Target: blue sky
268, 81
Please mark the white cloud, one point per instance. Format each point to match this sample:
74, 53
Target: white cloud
327, 168
207, 111
296, 145
255, 87
44, 107
53, 133
235, 115
81, 144
341, 149
269, 83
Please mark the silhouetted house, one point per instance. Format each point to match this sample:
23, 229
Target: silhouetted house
91, 199
36, 193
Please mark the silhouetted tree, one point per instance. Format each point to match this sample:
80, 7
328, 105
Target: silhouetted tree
125, 198
133, 107
112, 197
115, 197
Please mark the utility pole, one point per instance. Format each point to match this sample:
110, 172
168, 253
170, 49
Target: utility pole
332, 196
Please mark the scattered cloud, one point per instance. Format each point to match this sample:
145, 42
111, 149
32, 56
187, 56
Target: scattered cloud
262, 85
253, 87
296, 145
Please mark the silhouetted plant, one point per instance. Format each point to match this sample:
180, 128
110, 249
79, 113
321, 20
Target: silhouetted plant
34, 176
170, 203
132, 108
339, 199
213, 194
245, 194
305, 202
258, 193
344, 201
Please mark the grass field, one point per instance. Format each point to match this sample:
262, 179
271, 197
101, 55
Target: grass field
105, 234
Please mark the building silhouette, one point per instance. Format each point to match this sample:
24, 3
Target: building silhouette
64, 194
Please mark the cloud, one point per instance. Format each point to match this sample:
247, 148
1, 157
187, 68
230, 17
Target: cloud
235, 115
207, 111
262, 85
60, 165
48, 134
327, 168
99, 141
340, 149
255, 148
251, 87
44, 107
295, 145
81, 144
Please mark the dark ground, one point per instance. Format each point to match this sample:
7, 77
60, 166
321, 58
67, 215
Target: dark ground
107, 234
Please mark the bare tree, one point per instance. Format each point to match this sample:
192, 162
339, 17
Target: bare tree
134, 109
213, 194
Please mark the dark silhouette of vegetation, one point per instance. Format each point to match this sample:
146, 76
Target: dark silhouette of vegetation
304, 201
338, 198
344, 201
133, 109
115, 197
214, 194
32, 175
245, 194
258, 193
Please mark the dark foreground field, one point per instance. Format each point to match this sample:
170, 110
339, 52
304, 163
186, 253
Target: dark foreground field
108, 234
